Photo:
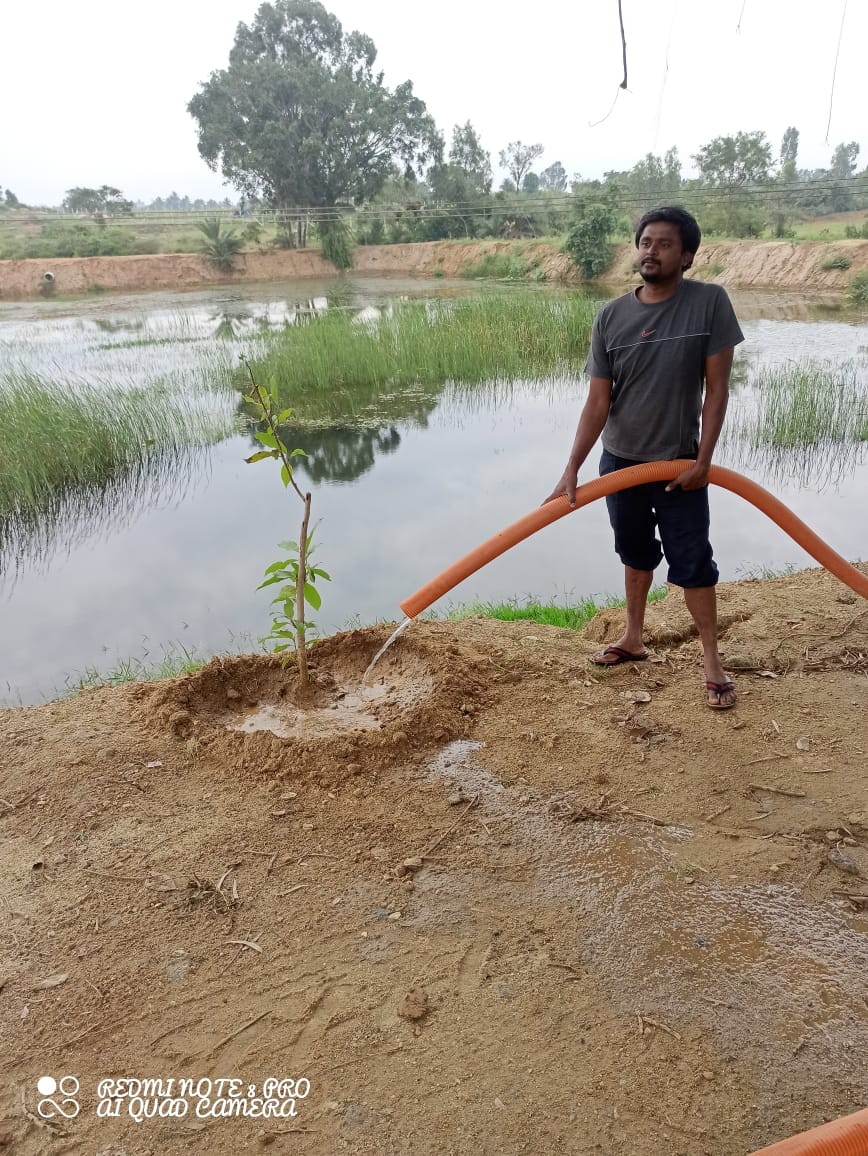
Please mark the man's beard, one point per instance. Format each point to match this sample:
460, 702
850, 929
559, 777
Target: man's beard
651, 275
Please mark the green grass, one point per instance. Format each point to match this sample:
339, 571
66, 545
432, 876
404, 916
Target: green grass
71, 238
839, 261
804, 405
545, 613
820, 229
336, 367
59, 437
858, 291
763, 573
176, 660
151, 342
707, 272
511, 266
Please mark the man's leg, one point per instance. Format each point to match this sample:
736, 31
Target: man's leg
637, 583
683, 518
702, 603
632, 519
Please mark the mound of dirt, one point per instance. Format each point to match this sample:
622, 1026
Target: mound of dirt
249, 715
498, 900
778, 265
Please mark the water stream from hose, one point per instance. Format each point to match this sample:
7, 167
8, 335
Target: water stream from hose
392, 638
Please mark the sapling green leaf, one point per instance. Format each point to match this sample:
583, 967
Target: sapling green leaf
295, 575
312, 596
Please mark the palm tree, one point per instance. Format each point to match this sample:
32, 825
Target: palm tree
220, 245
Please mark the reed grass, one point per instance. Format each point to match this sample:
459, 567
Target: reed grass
62, 441
336, 364
569, 617
805, 423
858, 291
509, 266
176, 659
803, 405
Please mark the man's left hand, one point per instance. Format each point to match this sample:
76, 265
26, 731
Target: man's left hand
692, 479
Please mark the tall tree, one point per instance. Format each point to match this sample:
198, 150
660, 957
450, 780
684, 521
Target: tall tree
733, 161
842, 169
844, 160
732, 164
517, 158
672, 171
106, 199
464, 204
467, 153
301, 116
783, 200
554, 178
790, 148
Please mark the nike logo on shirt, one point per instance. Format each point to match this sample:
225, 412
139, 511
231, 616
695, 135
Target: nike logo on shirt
648, 332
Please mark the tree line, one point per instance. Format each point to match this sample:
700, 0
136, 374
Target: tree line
302, 125
300, 119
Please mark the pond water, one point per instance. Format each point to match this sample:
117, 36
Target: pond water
398, 493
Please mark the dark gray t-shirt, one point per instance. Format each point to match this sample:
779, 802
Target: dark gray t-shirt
654, 356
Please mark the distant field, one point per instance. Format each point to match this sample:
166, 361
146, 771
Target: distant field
830, 228
47, 234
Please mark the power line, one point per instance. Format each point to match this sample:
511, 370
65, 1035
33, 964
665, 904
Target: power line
521, 204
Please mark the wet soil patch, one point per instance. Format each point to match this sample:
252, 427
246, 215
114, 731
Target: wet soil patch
251, 713
508, 901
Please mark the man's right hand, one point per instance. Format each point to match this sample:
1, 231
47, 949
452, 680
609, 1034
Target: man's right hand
566, 488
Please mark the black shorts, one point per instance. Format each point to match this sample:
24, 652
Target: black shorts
682, 518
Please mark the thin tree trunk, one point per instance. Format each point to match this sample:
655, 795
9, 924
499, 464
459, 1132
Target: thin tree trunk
301, 643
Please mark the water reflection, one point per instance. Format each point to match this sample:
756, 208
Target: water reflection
73, 516
342, 453
116, 324
820, 467
472, 457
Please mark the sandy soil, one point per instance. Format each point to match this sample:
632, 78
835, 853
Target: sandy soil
738, 264
499, 902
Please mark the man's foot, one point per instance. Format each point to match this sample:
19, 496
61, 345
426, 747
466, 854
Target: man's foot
615, 655
720, 695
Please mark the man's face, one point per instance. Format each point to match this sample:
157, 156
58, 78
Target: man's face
661, 256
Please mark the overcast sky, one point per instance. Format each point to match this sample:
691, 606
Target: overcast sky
95, 92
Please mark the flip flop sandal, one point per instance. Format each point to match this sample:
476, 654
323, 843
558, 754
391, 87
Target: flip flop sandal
621, 654
720, 688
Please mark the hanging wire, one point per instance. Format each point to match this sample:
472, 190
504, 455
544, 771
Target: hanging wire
738, 26
665, 77
594, 123
835, 69
623, 84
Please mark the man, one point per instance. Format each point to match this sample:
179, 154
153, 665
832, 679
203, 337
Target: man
651, 351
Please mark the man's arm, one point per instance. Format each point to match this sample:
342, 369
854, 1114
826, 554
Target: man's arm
717, 371
593, 417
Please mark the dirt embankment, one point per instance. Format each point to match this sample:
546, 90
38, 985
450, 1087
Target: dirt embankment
500, 901
738, 264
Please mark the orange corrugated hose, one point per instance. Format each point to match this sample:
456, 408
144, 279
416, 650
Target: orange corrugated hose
845, 1137
622, 480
